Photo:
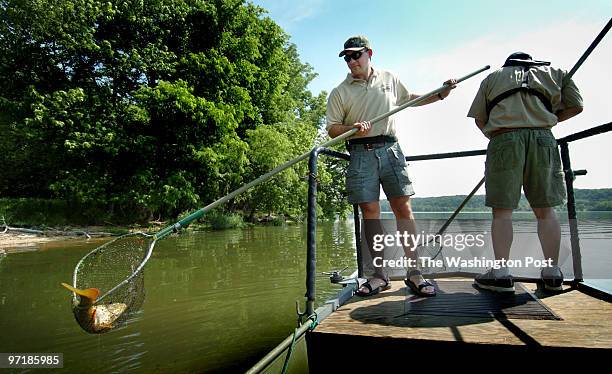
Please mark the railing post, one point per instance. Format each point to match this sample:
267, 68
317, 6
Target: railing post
311, 239
571, 211
357, 220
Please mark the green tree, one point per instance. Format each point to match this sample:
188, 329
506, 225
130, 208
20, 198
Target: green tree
152, 108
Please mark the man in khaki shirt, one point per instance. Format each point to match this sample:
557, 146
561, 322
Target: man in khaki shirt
515, 107
376, 157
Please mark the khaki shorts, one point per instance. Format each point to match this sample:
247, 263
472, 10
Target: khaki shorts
527, 158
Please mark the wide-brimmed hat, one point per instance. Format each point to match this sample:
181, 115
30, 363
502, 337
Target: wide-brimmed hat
355, 43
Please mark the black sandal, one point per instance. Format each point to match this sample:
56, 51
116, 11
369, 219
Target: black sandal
373, 291
418, 289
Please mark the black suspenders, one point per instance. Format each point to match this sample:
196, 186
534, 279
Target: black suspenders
524, 88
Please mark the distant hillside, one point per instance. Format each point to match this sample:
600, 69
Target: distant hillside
586, 200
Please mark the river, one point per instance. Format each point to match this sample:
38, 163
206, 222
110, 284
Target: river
215, 300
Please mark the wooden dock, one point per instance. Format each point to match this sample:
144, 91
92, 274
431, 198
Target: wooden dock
397, 322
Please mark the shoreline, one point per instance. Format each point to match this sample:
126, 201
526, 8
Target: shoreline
19, 242
17, 239
13, 242
9, 238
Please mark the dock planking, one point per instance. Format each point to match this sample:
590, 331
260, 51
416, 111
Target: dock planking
582, 326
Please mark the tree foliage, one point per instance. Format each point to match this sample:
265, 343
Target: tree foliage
153, 107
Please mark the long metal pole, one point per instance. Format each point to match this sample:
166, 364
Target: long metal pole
594, 44
311, 239
569, 173
456, 212
280, 349
199, 213
357, 220
571, 212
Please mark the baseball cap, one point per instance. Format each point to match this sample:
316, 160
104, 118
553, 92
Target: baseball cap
521, 59
520, 56
355, 43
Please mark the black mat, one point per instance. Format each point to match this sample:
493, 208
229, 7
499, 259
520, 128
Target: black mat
462, 299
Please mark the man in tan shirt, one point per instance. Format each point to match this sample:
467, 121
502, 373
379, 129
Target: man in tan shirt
376, 157
515, 107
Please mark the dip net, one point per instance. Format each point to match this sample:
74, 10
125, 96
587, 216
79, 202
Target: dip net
116, 270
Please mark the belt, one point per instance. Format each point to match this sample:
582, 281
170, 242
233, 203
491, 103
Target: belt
371, 142
510, 129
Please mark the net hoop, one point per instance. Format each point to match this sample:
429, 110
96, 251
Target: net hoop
125, 281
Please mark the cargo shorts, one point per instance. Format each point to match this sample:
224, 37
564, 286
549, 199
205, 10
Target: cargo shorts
528, 158
372, 166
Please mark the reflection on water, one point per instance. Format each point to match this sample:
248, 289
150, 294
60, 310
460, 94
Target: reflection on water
215, 301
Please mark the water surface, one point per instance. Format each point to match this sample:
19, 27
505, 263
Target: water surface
215, 300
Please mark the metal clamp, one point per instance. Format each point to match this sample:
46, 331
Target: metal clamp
580, 172
335, 276
300, 314
574, 173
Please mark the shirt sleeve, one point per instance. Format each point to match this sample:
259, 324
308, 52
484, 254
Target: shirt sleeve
478, 110
402, 93
335, 112
570, 95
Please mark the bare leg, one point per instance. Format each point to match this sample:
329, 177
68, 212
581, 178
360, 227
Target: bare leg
501, 233
371, 215
405, 221
549, 233
406, 224
499, 279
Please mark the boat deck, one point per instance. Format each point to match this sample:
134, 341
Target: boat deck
466, 319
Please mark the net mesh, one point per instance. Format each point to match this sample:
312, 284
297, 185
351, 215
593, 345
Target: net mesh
116, 269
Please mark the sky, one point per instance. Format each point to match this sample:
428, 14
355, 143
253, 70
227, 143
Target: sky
426, 42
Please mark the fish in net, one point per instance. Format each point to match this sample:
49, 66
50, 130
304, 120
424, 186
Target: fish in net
108, 283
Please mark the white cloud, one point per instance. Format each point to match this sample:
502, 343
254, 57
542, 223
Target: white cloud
444, 127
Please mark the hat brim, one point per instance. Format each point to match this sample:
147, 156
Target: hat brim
354, 49
526, 62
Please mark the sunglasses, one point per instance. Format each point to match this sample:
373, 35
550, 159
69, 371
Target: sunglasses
355, 55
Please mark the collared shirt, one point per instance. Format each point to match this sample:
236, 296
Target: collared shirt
357, 100
523, 109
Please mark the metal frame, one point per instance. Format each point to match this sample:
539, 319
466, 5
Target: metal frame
570, 175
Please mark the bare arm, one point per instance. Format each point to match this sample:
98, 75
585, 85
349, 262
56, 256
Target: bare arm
481, 124
337, 130
450, 84
568, 113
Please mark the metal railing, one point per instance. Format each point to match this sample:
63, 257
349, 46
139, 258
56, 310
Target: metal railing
570, 175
